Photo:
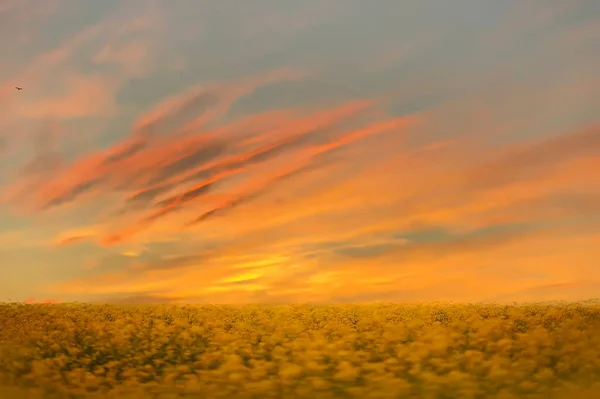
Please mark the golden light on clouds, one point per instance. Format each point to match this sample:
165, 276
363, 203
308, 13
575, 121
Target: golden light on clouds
154, 157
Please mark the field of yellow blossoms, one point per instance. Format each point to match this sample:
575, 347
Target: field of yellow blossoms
434, 351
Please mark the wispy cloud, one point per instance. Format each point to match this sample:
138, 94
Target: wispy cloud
156, 156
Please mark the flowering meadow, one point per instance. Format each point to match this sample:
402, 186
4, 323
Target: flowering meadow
428, 351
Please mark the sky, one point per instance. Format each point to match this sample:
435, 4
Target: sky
279, 151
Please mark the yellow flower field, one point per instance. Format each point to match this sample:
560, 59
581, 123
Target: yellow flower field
433, 351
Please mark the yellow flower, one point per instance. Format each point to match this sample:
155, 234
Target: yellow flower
290, 371
346, 372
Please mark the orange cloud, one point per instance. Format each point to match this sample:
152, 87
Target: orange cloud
74, 236
458, 171
31, 300
467, 270
463, 197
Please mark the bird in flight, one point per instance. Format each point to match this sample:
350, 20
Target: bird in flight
18, 88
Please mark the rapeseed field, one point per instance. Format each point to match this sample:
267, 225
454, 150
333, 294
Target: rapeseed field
428, 351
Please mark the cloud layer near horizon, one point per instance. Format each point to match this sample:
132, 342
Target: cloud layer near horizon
300, 152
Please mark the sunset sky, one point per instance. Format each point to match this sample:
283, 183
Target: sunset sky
299, 151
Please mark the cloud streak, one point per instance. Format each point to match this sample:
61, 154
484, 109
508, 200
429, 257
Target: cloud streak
155, 158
